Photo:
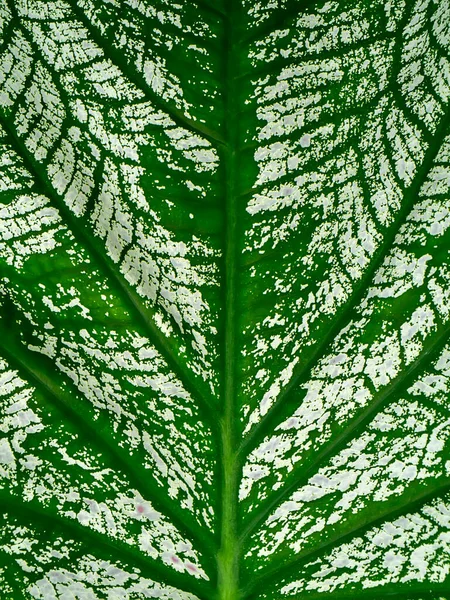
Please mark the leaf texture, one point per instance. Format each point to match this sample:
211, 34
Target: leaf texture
225, 299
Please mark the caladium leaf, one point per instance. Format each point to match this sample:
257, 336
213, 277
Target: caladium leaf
225, 299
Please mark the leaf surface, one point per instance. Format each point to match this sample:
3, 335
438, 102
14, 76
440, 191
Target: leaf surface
225, 314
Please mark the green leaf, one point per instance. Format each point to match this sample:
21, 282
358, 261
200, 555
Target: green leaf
225, 299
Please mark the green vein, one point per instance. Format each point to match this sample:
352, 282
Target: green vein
134, 302
227, 559
131, 73
110, 548
283, 17
431, 591
109, 268
272, 67
7, 35
62, 394
301, 375
338, 151
273, 575
357, 110
275, 415
302, 472
14, 584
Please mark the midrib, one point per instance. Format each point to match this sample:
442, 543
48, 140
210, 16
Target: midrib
227, 560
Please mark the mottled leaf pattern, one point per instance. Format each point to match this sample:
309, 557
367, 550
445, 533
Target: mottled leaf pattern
225, 299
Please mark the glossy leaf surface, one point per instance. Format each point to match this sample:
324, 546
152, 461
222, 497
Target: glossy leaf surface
225, 299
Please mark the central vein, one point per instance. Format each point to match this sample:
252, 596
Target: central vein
228, 568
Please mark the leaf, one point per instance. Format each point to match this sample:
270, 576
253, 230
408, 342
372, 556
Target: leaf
225, 299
